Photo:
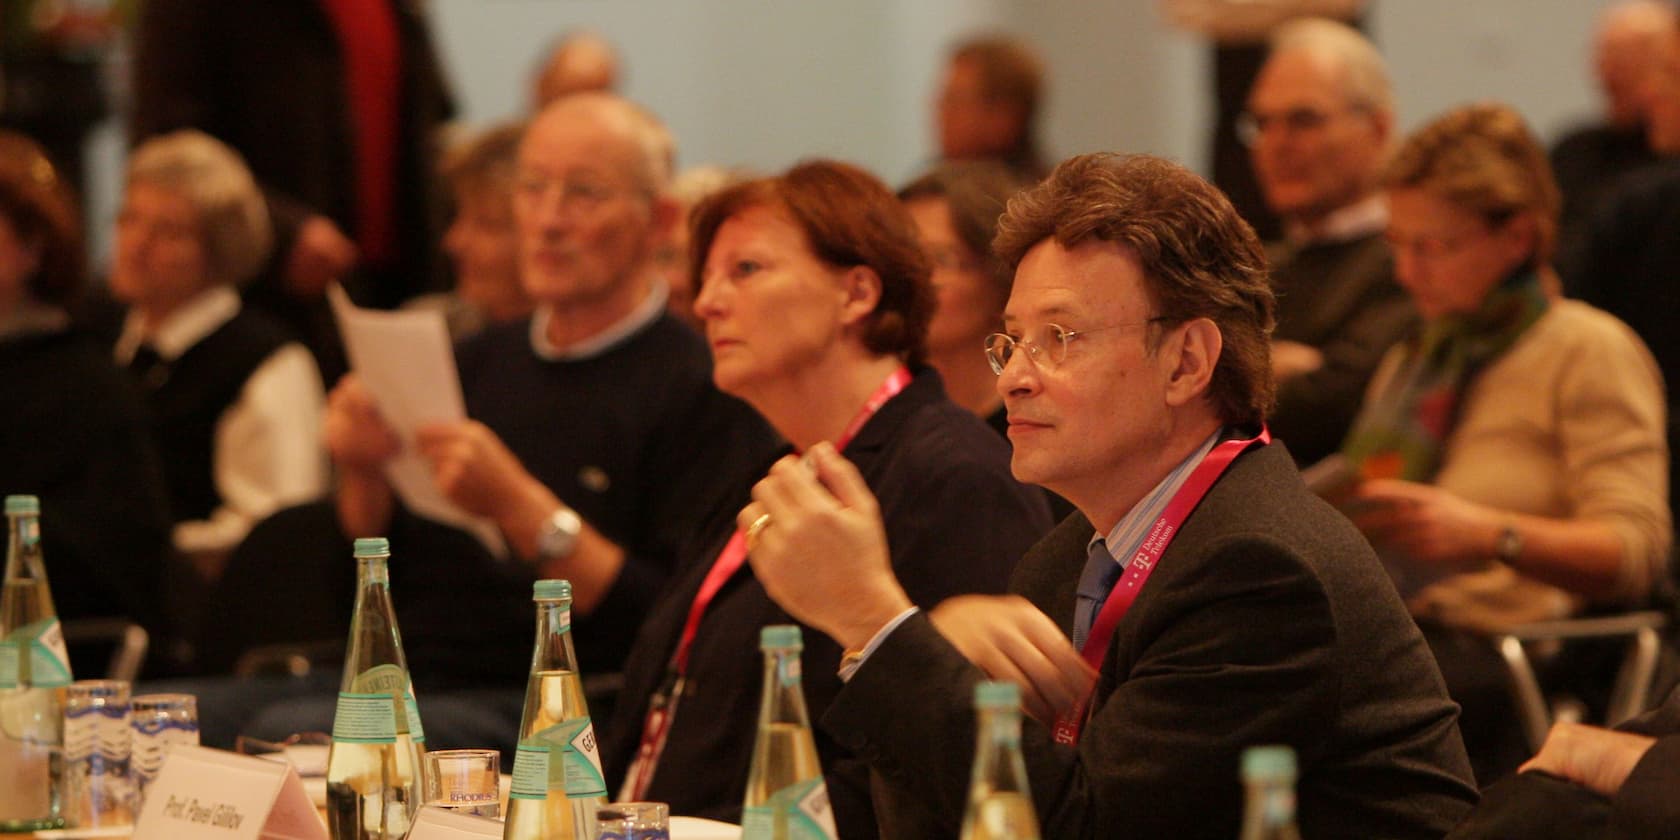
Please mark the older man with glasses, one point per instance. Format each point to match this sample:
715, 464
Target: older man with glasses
1318, 126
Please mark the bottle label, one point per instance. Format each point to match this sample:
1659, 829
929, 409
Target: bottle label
43, 642
411, 717
808, 814
530, 771
365, 719
581, 757
788, 671
577, 773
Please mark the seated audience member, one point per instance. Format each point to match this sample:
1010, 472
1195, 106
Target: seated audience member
1134, 368
816, 300
1630, 257
1588, 783
988, 103
956, 207
1591, 159
73, 432
482, 241
1237, 31
1319, 125
579, 62
596, 439
689, 188
234, 402
1511, 453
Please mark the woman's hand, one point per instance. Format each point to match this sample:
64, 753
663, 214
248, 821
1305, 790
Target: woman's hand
1428, 523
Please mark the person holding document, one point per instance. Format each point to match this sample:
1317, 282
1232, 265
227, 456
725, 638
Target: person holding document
1513, 449
595, 438
1213, 602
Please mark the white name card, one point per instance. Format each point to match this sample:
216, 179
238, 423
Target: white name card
439, 824
205, 794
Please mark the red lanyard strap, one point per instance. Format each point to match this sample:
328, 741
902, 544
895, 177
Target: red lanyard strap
735, 551
662, 708
1148, 555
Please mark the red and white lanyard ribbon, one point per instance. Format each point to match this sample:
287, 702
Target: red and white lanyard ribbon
656, 727
1148, 555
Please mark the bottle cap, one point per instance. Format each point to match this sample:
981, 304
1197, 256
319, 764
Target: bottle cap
780, 636
373, 547
1268, 762
551, 590
993, 695
23, 506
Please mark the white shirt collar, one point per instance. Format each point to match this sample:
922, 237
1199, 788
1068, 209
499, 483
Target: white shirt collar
200, 316
645, 313
1122, 542
1361, 218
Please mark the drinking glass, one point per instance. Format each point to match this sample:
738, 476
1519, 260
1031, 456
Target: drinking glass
160, 721
464, 781
633, 821
97, 790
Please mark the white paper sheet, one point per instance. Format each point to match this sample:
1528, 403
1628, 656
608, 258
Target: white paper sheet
405, 361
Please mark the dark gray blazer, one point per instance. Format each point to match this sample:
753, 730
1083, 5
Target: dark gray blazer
1267, 621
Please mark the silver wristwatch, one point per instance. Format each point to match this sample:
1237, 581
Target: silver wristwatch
559, 534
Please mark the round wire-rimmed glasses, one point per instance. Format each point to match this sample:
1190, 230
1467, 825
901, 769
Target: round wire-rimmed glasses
1047, 346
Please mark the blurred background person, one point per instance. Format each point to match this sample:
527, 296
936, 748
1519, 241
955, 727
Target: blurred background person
988, 104
1239, 30
689, 188
956, 208
482, 241
1319, 125
1505, 470
816, 299
580, 61
73, 432
1630, 257
1589, 160
234, 402
335, 106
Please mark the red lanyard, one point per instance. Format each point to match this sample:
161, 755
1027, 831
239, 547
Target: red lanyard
663, 706
735, 551
1144, 561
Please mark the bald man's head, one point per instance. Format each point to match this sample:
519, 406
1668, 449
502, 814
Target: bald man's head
579, 62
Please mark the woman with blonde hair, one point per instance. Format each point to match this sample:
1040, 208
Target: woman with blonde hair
235, 402
1511, 452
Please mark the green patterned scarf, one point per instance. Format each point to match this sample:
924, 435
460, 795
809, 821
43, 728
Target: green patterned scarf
1400, 432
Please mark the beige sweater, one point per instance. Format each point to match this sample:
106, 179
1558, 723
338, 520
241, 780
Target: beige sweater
1568, 424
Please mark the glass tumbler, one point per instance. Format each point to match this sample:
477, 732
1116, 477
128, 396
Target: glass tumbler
633, 821
464, 781
97, 743
160, 721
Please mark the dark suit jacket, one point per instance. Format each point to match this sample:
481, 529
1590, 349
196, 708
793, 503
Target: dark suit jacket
1267, 621
268, 79
1341, 299
1536, 806
957, 521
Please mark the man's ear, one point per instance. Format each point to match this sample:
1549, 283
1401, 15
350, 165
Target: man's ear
1194, 349
862, 288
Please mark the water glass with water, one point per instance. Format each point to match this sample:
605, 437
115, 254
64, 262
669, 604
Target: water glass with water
97, 744
160, 721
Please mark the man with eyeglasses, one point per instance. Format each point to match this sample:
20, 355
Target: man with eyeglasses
1213, 602
596, 440
1318, 126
